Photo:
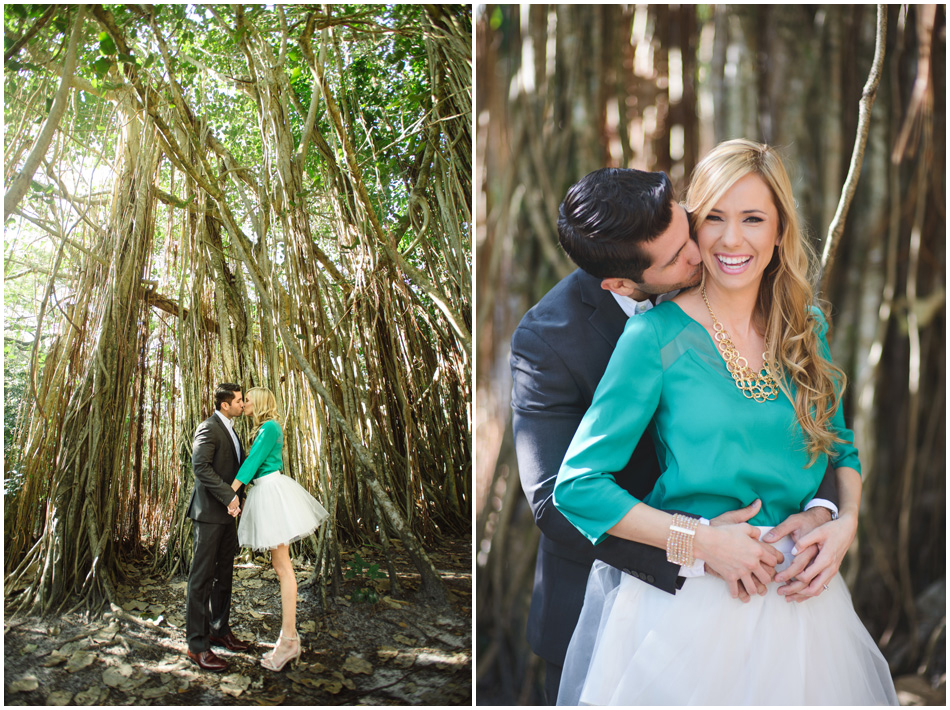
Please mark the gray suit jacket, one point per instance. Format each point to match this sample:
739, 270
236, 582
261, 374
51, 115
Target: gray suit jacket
215, 465
559, 353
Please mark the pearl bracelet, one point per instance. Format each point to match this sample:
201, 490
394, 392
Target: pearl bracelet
679, 544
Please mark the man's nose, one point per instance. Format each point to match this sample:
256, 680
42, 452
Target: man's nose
693, 257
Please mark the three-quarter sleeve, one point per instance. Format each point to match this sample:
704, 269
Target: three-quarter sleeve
626, 398
267, 438
846, 454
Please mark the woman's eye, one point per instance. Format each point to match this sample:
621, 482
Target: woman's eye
753, 220
713, 218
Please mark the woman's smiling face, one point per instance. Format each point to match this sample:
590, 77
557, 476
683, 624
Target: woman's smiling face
738, 237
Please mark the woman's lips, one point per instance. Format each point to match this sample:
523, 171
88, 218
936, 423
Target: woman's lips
733, 264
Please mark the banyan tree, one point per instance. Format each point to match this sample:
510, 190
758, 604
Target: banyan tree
267, 195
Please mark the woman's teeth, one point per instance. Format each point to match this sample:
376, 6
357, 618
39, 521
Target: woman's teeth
733, 260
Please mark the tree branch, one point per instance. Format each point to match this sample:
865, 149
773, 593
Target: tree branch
836, 228
30, 33
21, 182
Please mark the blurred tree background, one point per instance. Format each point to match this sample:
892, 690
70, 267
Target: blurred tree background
268, 195
566, 89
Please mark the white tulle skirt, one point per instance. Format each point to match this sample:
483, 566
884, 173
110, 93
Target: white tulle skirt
278, 511
637, 645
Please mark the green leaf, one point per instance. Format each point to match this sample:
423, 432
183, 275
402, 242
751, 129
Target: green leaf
106, 45
102, 66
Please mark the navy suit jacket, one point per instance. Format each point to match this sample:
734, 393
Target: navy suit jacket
559, 353
215, 464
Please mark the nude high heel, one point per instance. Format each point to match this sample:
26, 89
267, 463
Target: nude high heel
276, 660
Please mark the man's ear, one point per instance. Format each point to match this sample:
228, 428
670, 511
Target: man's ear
622, 287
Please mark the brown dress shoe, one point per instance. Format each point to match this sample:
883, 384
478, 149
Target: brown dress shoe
206, 660
230, 642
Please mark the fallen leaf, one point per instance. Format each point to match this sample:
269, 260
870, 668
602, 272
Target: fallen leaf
121, 677
331, 686
308, 627
90, 696
355, 664
80, 660
59, 697
54, 659
235, 684
153, 693
25, 684
271, 700
404, 640
30, 648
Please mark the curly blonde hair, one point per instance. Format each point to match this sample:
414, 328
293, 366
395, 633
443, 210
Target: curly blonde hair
265, 408
782, 312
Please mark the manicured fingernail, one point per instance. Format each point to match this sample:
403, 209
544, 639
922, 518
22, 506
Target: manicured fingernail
795, 550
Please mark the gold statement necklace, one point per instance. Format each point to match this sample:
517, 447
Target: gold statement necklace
759, 386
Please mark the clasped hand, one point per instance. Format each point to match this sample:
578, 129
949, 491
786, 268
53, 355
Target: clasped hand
747, 564
234, 507
820, 547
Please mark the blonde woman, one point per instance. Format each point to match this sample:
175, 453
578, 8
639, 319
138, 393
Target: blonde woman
277, 512
734, 382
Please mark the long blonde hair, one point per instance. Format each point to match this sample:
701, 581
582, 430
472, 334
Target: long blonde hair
265, 408
782, 312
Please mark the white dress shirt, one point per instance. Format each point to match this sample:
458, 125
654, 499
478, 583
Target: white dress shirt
229, 425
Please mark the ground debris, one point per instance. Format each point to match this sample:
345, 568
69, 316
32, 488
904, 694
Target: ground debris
391, 652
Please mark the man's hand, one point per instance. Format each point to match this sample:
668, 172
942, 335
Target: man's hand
732, 551
234, 507
830, 541
733, 517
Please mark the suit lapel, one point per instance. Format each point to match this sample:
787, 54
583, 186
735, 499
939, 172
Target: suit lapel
607, 317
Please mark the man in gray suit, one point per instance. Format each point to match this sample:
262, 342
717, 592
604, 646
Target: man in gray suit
216, 457
631, 241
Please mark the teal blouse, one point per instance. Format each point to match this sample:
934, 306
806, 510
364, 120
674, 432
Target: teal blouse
718, 450
265, 455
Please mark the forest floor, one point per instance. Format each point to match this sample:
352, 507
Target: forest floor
388, 652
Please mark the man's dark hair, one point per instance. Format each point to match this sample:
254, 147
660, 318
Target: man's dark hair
225, 393
608, 214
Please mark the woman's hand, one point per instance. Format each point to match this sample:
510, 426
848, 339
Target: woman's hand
733, 553
832, 541
797, 526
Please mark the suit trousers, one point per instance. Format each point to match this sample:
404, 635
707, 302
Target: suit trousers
209, 584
